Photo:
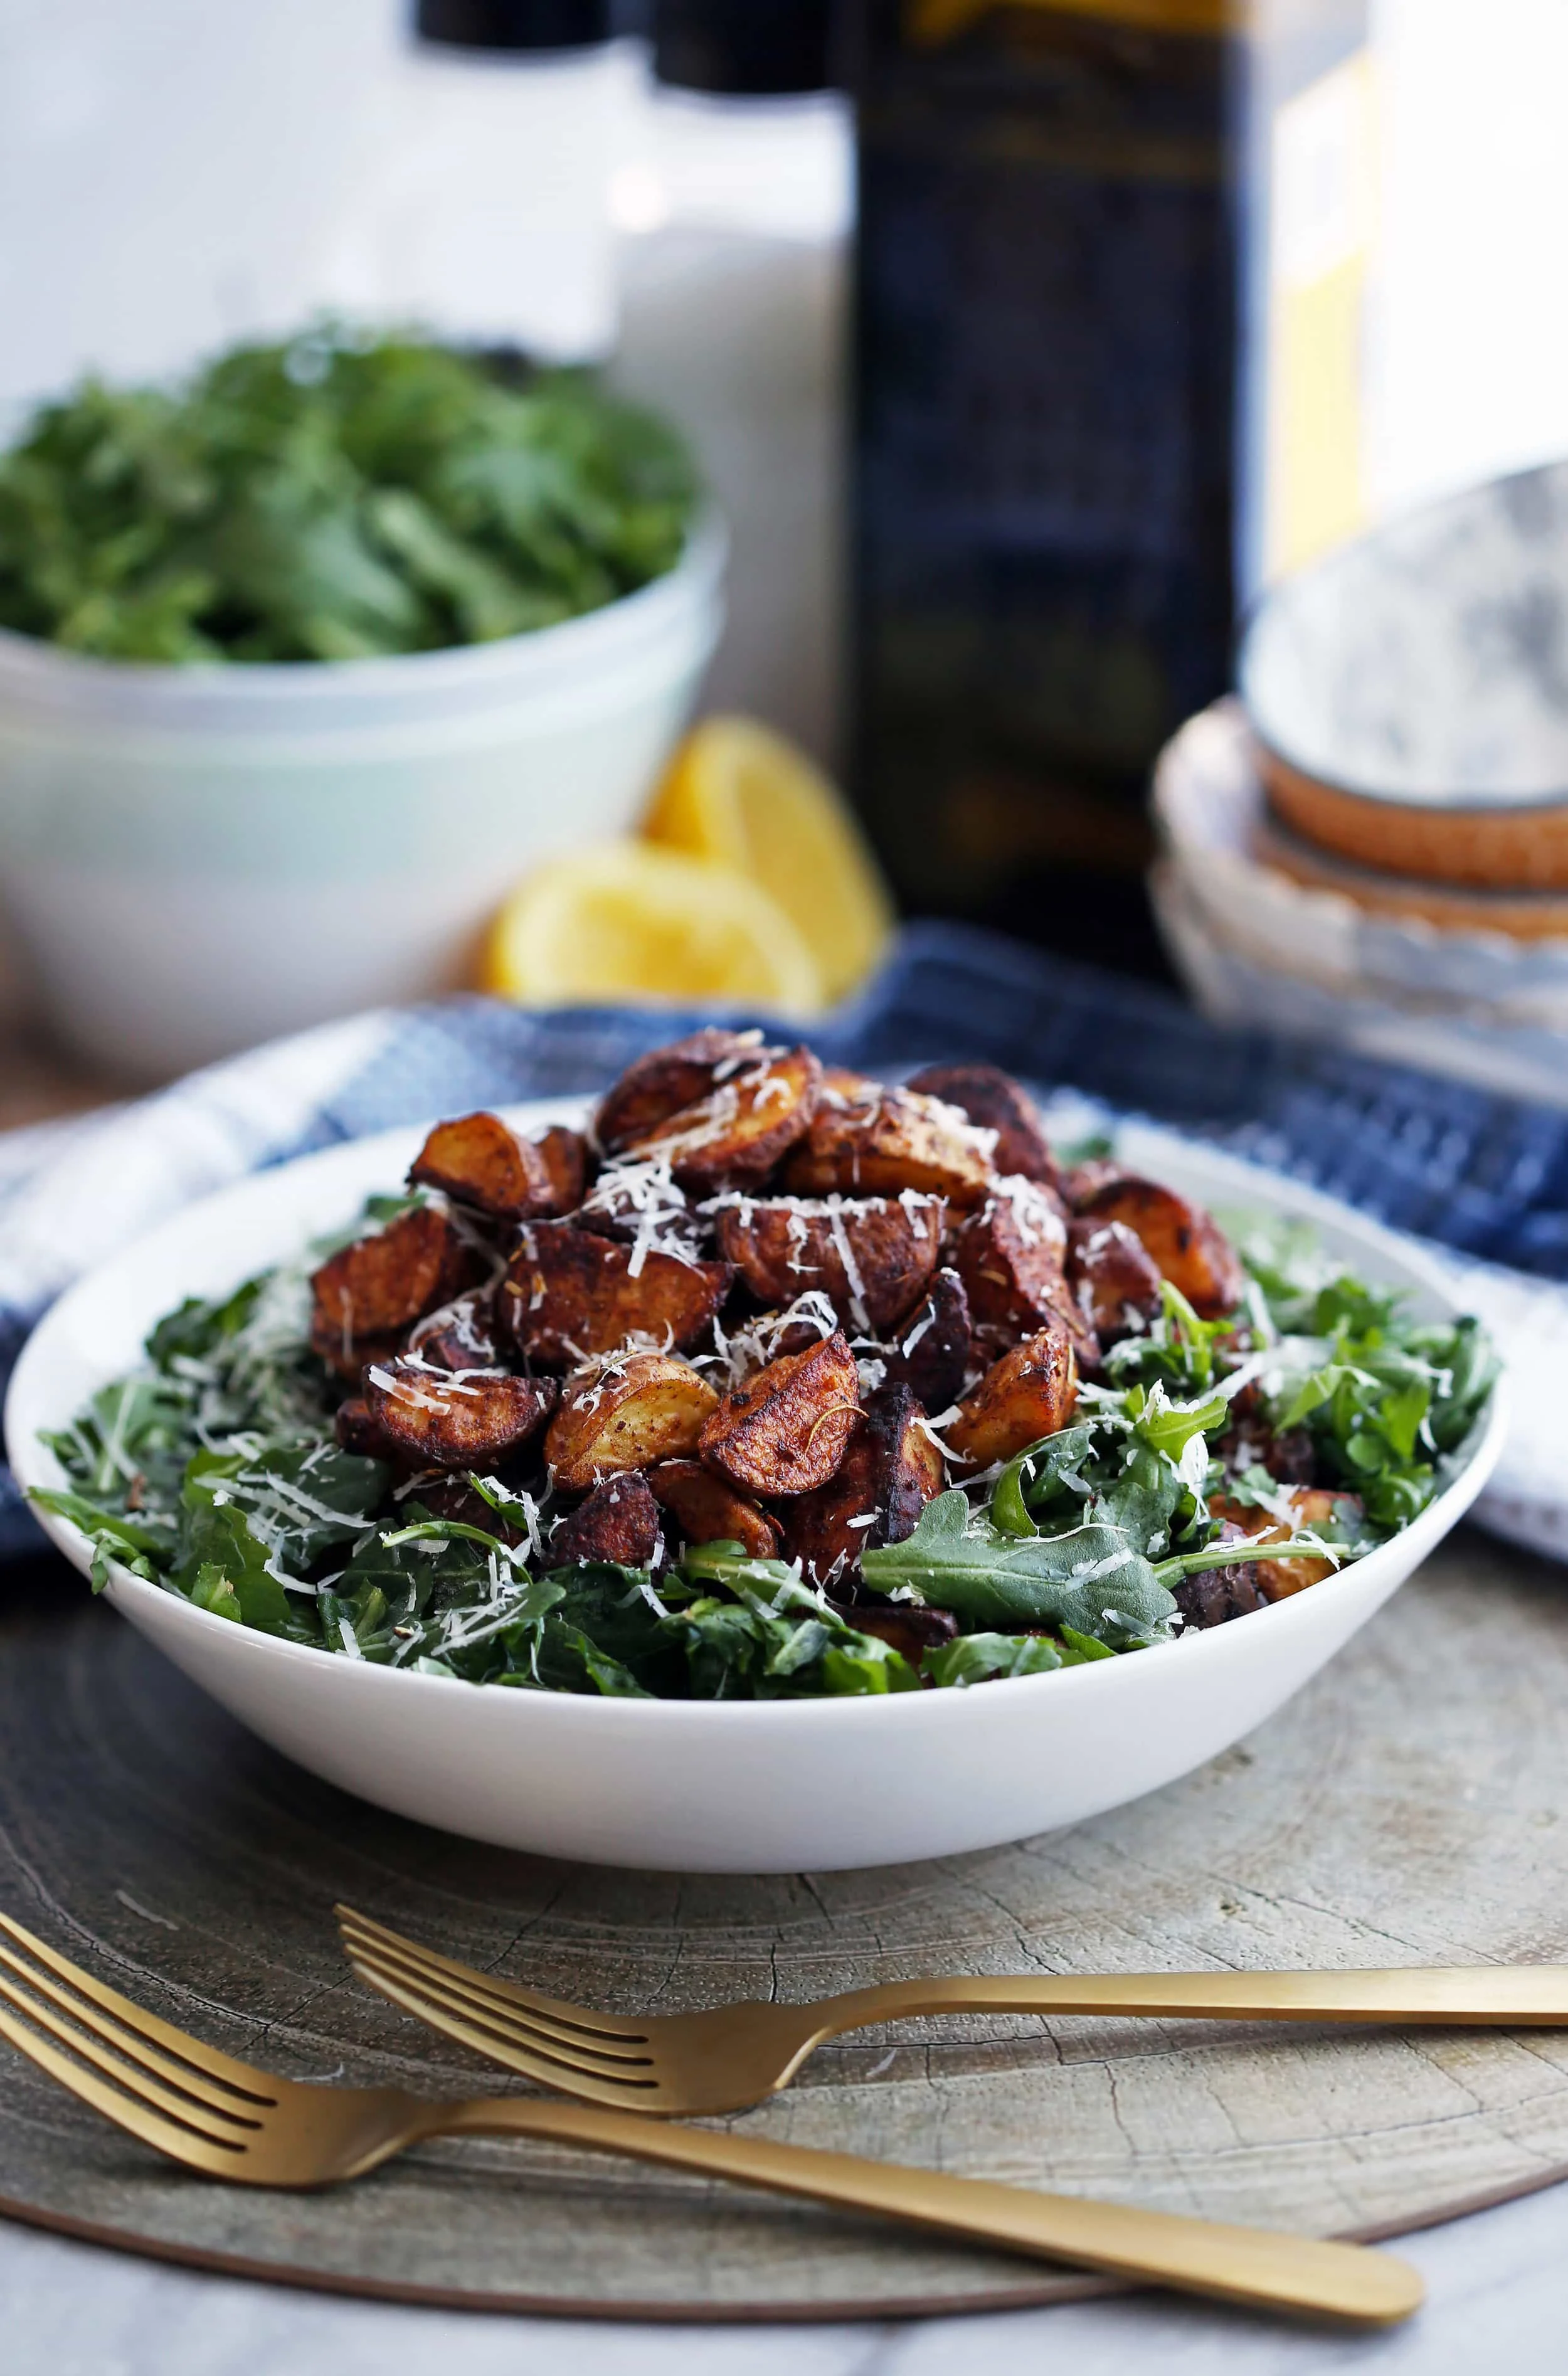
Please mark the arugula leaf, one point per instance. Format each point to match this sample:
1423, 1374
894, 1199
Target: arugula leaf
1091, 1579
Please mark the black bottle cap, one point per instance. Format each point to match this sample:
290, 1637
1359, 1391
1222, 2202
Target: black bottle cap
514, 24
744, 48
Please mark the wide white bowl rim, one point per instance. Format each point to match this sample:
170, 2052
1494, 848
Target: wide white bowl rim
34, 1466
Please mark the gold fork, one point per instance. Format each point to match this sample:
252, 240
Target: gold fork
735, 2055
231, 2120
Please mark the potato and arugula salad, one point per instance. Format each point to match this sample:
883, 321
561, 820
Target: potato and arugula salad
775, 1381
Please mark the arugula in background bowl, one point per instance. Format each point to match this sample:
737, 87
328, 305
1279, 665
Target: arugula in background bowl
334, 497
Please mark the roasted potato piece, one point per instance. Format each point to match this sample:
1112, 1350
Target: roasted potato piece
631, 1199
367, 1296
1216, 1594
1311, 1506
784, 1431
461, 1338
891, 1469
1114, 1280
358, 1430
910, 1630
625, 1414
1186, 1245
479, 1162
565, 1155
708, 1511
739, 1131
992, 1099
870, 1257
568, 1294
1009, 1257
1029, 1393
930, 1350
443, 1419
454, 1498
1087, 1179
861, 1146
664, 1080
619, 1522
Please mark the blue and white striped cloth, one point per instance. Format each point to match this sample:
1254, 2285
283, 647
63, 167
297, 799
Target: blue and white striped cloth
1483, 1180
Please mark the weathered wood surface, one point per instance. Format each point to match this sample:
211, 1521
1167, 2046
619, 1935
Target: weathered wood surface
1410, 1807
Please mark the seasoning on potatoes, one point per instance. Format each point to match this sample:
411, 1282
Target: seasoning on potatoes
739, 1131
882, 1143
461, 1337
618, 1523
1185, 1245
993, 1101
370, 1293
932, 1349
664, 1080
1030, 1392
706, 1510
785, 1431
625, 1413
455, 1419
891, 1468
1114, 1281
565, 1155
1009, 1255
569, 1293
871, 1257
479, 1162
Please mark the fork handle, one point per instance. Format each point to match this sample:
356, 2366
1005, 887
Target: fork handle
1499, 1995
1244, 2264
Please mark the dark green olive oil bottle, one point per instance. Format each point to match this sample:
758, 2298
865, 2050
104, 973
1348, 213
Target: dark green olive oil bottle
1043, 443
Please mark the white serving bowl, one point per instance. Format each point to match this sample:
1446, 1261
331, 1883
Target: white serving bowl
194, 860
695, 1786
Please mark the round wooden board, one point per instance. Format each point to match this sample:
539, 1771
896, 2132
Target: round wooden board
1408, 1808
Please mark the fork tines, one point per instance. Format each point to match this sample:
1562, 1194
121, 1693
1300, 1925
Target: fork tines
535, 2035
130, 2066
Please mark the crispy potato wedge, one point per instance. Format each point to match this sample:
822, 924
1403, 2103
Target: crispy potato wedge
1009, 1256
631, 1199
861, 1146
891, 1469
1217, 1594
478, 1161
443, 1419
664, 1080
565, 1155
461, 1337
619, 1522
706, 1510
1186, 1244
369, 1294
932, 1349
1311, 1506
745, 1123
569, 1294
785, 1431
871, 1257
1087, 1179
910, 1630
1030, 1392
626, 1414
992, 1099
1114, 1280
358, 1430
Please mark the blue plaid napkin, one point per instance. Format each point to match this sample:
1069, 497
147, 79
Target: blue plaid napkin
1485, 1176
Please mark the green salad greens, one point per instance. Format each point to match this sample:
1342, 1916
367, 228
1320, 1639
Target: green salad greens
333, 497
214, 1472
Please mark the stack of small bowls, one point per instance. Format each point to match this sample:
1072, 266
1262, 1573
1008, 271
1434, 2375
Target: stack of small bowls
1373, 843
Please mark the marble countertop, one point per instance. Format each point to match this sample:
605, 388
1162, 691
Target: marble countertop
1498, 2299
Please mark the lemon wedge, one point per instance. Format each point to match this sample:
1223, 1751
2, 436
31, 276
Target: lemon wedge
626, 923
738, 794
